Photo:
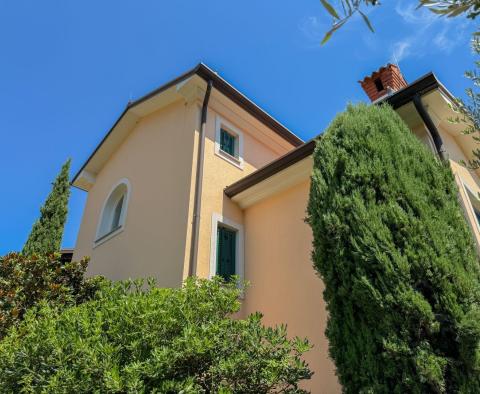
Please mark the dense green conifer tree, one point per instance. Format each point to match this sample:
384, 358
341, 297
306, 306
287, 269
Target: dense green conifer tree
47, 231
398, 261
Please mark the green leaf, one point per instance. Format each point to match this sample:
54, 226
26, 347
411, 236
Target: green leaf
459, 10
330, 9
335, 27
327, 37
367, 21
350, 8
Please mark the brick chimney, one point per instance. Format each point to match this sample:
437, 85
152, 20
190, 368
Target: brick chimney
386, 80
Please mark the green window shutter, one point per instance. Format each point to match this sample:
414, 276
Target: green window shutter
227, 142
226, 242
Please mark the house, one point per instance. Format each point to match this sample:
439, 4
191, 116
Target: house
195, 179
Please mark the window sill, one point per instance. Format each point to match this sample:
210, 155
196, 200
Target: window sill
237, 162
104, 238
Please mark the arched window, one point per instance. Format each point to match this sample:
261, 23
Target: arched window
114, 211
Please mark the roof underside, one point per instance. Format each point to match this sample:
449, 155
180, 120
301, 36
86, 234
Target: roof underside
154, 99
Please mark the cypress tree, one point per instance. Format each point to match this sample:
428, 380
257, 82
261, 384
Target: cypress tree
47, 231
397, 259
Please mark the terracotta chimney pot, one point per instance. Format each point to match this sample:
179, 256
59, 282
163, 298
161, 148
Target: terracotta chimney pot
386, 80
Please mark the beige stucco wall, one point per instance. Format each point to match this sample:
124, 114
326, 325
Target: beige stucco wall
159, 160
464, 178
156, 158
284, 285
219, 173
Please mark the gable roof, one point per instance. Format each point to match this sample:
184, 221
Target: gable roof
401, 97
220, 84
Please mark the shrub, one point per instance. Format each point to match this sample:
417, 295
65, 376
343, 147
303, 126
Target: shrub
156, 340
24, 281
398, 261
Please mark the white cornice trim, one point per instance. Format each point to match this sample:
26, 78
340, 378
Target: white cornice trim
289, 177
85, 180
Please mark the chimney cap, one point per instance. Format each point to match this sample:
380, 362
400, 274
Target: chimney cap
376, 74
386, 80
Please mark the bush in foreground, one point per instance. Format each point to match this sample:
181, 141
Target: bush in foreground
155, 340
397, 259
27, 280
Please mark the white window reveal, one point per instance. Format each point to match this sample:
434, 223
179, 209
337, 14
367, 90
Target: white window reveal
226, 253
228, 142
474, 203
114, 212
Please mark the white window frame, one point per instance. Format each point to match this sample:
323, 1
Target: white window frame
237, 160
219, 220
468, 191
99, 238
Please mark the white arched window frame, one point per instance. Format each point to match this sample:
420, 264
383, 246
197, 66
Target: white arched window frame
114, 212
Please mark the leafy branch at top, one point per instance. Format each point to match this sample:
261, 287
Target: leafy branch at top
347, 8
468, 112
451, 8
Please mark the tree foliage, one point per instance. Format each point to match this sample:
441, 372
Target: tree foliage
398, 261
468, 111
27, 280
136, 340
345, 9
47, 231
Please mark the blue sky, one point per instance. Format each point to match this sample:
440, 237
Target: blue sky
68, 68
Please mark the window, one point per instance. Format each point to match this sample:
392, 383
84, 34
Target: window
226, 253
112, 218
229, 142
474, 203
477, 214
226, 240
117, 213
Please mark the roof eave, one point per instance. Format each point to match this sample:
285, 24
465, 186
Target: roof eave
131, 105
221, 85
420, 86
248, 105
270, 169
